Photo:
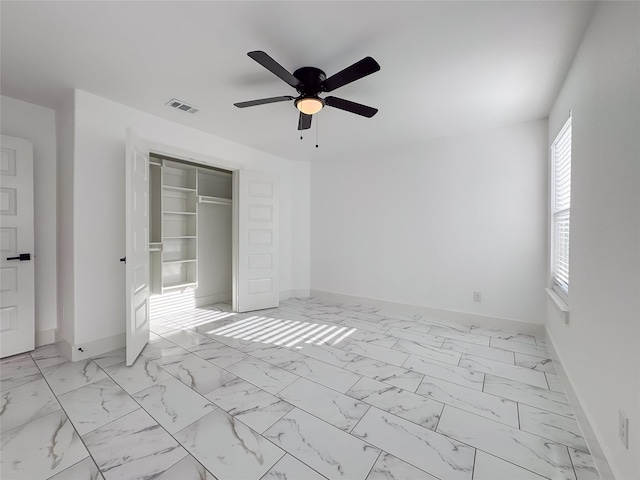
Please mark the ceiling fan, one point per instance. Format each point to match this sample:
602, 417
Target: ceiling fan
310, 82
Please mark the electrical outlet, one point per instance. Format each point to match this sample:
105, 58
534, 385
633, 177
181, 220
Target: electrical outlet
623, 428
477, 296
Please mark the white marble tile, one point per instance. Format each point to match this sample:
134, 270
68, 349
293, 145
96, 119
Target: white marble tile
199, 374
504, 335
415, 408
187, 338
83, 470
186, 469
557, 428
368, 326
388, 467
445, 371
553, 380
48, 355
504, 370
219, 354
325, 353
535, 363
387, 355
471, 400
420, 337
96, 404
519, 347
165, 353
479, 350
339, 410
18, 370
25, 403
433, 353
276, 355
249, 404
160, 326
326, 449
457, 335
68, 376
134, 446
383, 372
142, 374
228, 448
488, 467
262, 374
551, 401
445, 324
111, 358
524, 449
40, 448
583, 465
290, 468
427, 450
173, 405
381, 339
322, 373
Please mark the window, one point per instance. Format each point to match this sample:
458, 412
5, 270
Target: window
561, 210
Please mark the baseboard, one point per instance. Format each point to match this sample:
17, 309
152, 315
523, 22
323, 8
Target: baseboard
97, 347
212, 299
286, 294
45, 337
506, 324
597, 453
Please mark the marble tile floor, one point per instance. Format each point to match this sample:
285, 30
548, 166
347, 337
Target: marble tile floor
309, 390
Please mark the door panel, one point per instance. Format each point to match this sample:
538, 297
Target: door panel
257, 272
17, 313
137, 246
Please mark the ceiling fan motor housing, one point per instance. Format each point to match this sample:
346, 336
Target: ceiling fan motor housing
311, 79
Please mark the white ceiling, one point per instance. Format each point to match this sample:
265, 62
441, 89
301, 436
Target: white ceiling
446, 67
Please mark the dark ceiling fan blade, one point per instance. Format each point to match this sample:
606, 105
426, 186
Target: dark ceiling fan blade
349, 106
263, 101
360, 69
274, 67
304, 122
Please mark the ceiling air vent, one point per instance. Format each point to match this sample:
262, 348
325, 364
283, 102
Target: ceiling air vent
180, 105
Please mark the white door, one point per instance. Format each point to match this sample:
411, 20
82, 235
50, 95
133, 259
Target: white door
256, 280
17, 314
137, 245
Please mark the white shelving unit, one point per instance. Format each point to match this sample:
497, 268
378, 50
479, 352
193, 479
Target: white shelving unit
176, 191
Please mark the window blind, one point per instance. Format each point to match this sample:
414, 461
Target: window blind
561, 209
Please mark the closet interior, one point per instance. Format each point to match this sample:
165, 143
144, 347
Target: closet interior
190, 244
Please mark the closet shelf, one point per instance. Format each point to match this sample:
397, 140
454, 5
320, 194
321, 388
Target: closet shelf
180, 261
180, 237
214, 200
178, 213
178, 189
155, 246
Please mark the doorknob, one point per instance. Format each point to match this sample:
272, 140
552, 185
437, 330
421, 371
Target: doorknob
22, 257
123, 259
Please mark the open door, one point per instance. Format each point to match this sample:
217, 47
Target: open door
137, 245
256, 275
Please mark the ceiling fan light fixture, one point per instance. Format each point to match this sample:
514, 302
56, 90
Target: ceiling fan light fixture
309, 105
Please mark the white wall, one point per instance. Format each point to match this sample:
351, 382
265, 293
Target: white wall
428, 224
38, 124
99, 204
214, 254
600, 347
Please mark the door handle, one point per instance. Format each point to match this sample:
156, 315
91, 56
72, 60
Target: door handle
123, 259
22, 257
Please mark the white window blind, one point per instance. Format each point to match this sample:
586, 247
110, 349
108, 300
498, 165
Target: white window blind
561, 209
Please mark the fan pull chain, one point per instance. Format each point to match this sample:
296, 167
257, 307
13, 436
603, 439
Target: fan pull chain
316, 132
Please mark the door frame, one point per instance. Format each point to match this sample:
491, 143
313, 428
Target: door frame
208, 161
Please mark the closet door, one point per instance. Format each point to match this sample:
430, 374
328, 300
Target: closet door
256, 281
137, 246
